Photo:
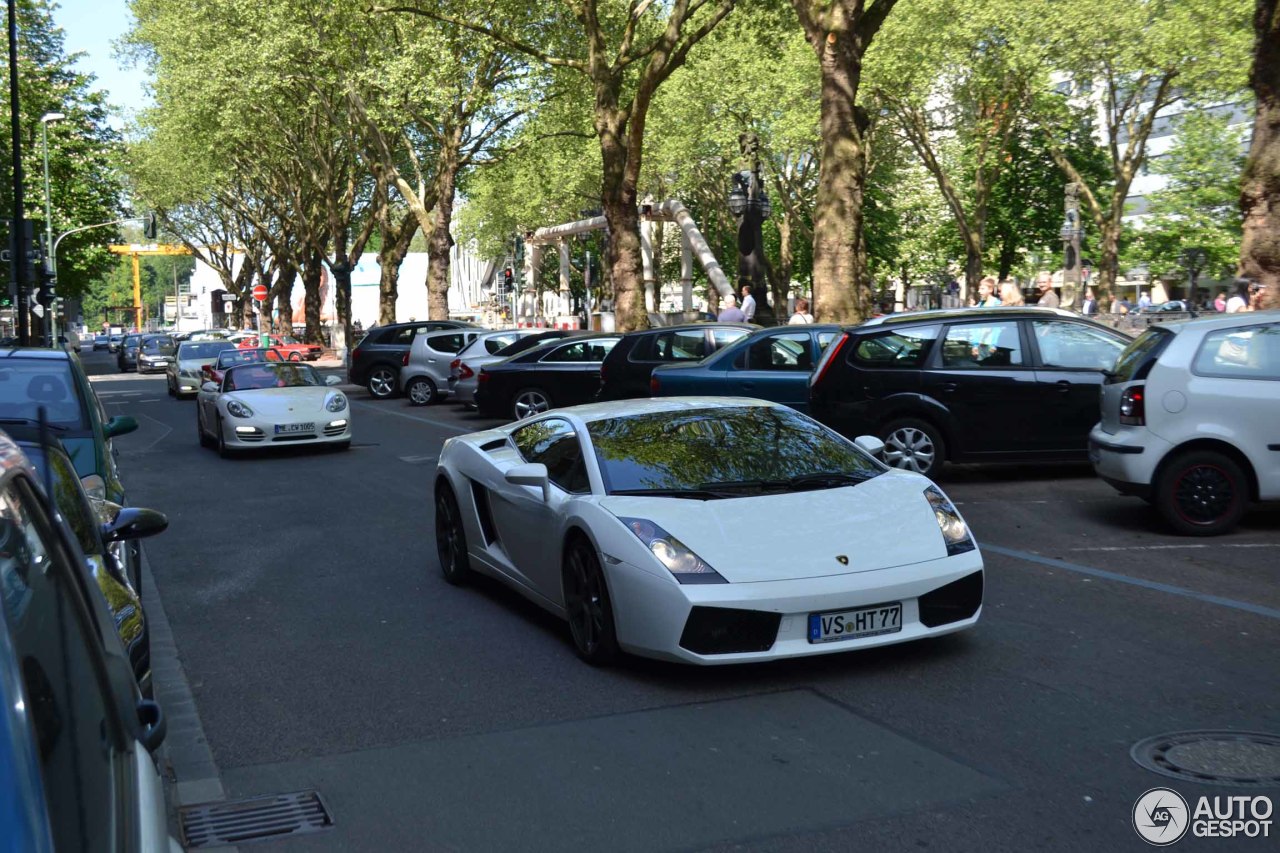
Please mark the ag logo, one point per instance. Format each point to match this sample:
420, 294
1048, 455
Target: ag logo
1161, 816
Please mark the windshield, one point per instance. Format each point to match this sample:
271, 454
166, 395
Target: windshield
720, 447
28, 384
254, 377
163, 346
131, 341
228, 357
203, 349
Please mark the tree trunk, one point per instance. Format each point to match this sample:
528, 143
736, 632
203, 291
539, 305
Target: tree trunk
242, 287
1108, 263
440, 242
395, 245
972, 265
1008, 254
312, 273
1260, 194
839, 260
618, 198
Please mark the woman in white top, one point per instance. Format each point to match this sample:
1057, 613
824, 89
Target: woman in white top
1238, 302
802, 316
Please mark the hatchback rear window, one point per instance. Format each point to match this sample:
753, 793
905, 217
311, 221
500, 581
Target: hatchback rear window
1136, 360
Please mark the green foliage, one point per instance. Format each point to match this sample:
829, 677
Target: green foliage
1199, 206
84, 181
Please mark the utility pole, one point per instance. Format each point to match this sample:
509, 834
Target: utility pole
18, 246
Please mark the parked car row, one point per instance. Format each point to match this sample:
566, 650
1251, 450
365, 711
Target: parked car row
77, 721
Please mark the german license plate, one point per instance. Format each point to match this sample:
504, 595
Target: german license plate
837, 625
289, 428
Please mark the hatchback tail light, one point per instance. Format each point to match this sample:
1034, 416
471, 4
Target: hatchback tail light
655, 386
483, 377
465, 372
1133, 406
453, 365
404, 359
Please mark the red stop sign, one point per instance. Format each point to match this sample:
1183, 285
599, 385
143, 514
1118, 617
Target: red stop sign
260, 292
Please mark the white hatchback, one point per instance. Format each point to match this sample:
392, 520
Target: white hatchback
1191, 419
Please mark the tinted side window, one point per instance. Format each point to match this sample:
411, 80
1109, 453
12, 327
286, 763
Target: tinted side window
554, 443
684, 345
899, 348
979, 345
448, 343
781, 352
1249, 352
58, 657
497, 342
1075, 345
724, 337
582, 351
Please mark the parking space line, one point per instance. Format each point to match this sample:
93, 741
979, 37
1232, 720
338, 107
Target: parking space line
1179, 547
1256, 609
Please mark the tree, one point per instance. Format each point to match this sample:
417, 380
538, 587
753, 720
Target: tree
1260, 193
1137, 60
1199, 206
626, 54
84, 180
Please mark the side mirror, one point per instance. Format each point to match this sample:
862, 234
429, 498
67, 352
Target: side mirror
151, 724
211, 387
119, 425
134, 523
332, 380
871, 445
531, 474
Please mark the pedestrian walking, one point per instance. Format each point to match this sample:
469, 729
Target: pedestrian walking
1144, 301
1044, 283
748, 304
987, 294
731, 313
802, 316
1010, 294
1090, 304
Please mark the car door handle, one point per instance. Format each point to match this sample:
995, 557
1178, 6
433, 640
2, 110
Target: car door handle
748, 386
949, 387
1064, 387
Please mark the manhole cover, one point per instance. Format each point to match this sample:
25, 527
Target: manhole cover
254, 819
1237, 759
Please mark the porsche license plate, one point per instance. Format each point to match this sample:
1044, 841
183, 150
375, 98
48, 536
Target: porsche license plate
837, 625
289, 428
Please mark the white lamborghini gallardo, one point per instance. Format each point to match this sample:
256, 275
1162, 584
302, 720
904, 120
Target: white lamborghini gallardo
706, 530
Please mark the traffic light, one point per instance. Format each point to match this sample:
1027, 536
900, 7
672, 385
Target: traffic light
44, 278
150, 228
508, 279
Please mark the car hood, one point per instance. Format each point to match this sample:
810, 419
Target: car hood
286, 402
195, 363
879, 524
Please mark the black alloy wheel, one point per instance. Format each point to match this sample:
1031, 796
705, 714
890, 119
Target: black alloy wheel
1202, 493
382, 382
451, 538
587, 605
421, 392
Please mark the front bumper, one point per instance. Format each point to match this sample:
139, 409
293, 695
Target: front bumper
652, 613
256, 432
1127, 459
188, 384
153, 365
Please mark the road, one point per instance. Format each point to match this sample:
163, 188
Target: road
324, 650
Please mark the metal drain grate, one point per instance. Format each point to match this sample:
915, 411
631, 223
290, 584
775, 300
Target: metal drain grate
254, 819
1235, 759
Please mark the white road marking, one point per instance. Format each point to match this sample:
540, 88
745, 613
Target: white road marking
418, 460
167, 430
1180, 547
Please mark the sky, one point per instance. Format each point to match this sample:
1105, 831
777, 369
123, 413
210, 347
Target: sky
91, 26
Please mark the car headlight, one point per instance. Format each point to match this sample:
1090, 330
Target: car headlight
94, 486
336, 403
686, 566
954, 531
239, 410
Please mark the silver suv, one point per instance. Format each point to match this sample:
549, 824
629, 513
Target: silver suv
424, 378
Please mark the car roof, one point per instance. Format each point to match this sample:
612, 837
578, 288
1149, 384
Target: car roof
942, 314
1213, 322
36, 353
654, 330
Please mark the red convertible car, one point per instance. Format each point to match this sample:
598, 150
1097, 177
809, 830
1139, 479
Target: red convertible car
289, 348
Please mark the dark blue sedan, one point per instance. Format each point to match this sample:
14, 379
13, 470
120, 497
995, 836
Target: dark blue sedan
771, 364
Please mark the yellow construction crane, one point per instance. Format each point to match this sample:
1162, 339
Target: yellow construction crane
135, 251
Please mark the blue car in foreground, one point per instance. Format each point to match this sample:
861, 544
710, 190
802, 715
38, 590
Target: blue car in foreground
771, 364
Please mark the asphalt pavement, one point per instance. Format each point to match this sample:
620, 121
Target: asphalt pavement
324, 651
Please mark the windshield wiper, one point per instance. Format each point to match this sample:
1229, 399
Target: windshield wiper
32, 422
818, 480
694, 494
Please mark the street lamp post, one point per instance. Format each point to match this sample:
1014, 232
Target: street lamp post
45, 121
749, 202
